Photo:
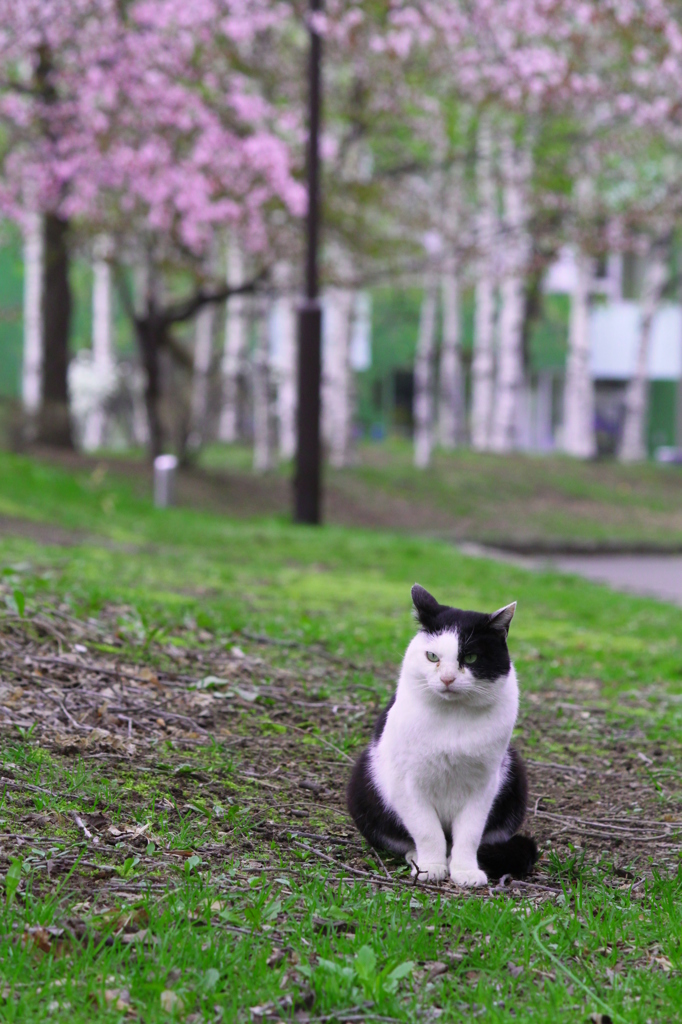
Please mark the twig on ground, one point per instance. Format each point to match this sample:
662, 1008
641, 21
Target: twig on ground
83, 827
341, 1015
561, 767
102, 670
379, 880
13, 784
375, 853
610, 825
70, 717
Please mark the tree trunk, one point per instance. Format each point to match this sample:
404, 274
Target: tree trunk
578, 433
482, 370
423, 376
33, 326
102, 353
150, 336
262, 405
235, 344
283, 324
509, 381
203, 353
337, 375
633, 446
451, 380
543, 439
54, 421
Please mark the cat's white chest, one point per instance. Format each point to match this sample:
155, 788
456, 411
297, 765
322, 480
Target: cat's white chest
441, 755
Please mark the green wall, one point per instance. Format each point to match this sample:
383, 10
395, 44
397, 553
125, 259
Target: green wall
11, 311
662, 414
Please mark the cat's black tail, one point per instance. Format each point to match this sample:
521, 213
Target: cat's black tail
515, 857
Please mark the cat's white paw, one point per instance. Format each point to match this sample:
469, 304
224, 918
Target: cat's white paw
411, 857
430, 871
468, 876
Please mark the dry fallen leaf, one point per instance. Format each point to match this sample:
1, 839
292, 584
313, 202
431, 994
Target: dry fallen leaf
148, 675
119, 998
514, 969
434, 969
39, 937
275, 958
171, 1001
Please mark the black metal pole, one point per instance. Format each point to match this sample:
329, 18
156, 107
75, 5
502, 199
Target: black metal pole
307, 479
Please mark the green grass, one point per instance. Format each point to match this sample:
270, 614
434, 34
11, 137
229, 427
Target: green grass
530, 499
512, 499
210, 928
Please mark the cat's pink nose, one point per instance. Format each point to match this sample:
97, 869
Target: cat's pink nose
446, 680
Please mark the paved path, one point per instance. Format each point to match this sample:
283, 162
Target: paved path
650, 575
657, 576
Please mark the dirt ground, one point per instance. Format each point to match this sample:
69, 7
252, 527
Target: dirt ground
252, 748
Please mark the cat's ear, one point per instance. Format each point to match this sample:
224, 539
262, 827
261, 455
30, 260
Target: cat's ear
425, 606
501, 619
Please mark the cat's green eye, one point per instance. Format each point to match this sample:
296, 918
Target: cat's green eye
469, 659
431, 656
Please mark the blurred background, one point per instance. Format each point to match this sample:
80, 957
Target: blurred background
500, 262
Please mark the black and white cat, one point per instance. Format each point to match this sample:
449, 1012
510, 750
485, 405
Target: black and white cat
439, 775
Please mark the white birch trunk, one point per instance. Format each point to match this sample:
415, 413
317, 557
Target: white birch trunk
423, 376
284, 327
451, 381
483, 365
542, 439
102, 344
337, 414
201, 370
633, 444
509, 366
509, 381
235, 344
33, 328
137, 379
102, 319
262, 406
578, 430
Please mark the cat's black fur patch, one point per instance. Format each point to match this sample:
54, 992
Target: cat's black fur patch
509, 806
381, 827
478, 634
514, 857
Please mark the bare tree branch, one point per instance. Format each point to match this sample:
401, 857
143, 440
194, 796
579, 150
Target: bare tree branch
186, 309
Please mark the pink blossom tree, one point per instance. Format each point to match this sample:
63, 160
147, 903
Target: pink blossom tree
148, 122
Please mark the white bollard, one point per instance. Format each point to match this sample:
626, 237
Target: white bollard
164, 480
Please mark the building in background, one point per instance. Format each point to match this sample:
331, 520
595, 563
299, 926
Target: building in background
386, 389
614, 322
